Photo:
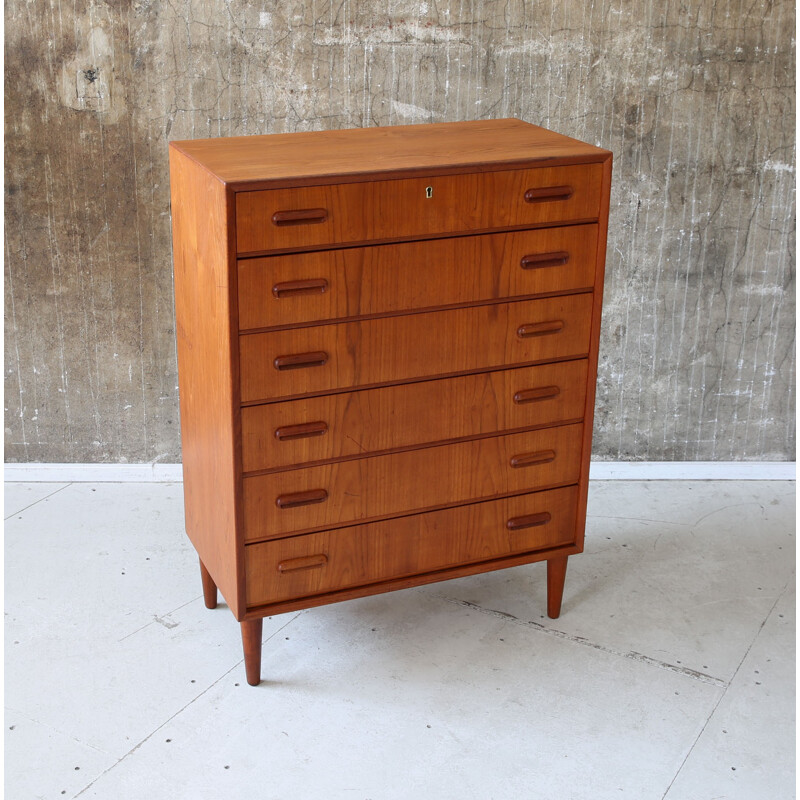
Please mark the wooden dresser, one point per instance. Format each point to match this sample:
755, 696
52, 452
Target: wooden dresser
387, 350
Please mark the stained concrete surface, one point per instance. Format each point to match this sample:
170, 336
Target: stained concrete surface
670, 674
696, 100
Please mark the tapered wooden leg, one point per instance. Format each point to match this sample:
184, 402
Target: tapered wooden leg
251, 642
209, 587
556, 572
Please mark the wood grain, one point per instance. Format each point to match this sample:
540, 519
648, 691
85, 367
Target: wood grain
394, 584
395, 209
413, 480
207, 360
407, 546
338, 154
402, 348
354, 424
300, 288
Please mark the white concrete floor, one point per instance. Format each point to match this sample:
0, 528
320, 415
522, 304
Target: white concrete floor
670, 674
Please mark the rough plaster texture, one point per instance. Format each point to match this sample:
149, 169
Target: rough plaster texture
696, 99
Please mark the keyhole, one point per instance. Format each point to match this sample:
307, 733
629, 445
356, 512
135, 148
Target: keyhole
429, 192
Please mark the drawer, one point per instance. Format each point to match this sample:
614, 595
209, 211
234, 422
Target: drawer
324, 562
350, 424
354, 491
356, 281
309, 216
347, 355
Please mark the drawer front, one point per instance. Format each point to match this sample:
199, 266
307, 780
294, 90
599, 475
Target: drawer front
301, 566
310, 216
352, 354
333, 284
368, 488
336, 426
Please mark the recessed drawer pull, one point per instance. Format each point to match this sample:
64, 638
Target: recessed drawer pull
547, 193
539, 328
306, 562
304, 216
528, 521
302, 431
292, 288
533, 459
300, 360
301, 498
539, 260
539, 393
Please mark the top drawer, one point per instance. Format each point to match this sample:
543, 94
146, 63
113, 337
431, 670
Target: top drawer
312, 216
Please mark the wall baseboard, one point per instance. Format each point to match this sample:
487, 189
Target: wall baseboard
93, 473
600, 471
692, 470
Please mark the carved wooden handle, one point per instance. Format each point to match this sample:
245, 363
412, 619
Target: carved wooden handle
300, 360
304, 562
539, 393
532, 459
528, 521
302, 498
539, 328
547, 193
292, 288
303, 431
539, 260
304, 216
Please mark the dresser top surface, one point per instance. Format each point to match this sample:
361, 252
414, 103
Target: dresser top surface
400, 149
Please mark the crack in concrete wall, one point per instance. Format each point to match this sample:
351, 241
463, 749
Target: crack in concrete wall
696, 100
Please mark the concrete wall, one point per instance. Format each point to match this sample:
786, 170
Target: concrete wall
696, 99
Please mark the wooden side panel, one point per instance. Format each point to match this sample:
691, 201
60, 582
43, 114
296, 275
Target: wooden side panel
207, 372
352, 424
350, 213
368, 352
348, 492
331, 560
594, 353
352, 282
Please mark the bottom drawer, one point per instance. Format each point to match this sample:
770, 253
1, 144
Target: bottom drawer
316, 563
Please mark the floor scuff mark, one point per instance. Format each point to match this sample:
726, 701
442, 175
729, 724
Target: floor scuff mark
631, 654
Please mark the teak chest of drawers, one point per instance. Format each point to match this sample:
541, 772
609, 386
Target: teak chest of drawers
387, 350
